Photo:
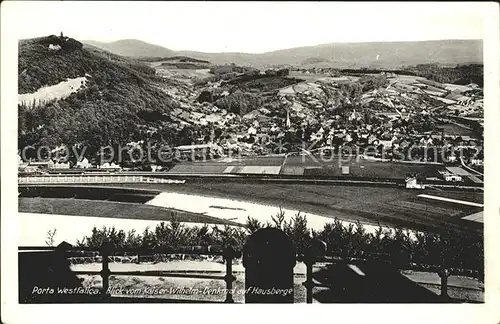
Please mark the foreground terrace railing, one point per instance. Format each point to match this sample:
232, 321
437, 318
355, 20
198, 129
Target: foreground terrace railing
444, 272
107, 253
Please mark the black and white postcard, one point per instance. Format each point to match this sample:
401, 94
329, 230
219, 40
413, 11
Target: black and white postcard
250, 153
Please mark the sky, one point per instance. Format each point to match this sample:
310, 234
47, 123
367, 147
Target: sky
252, 27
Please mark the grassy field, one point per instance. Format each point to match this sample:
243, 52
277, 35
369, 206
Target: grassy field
389, 206
376, 169
96, 208
198, 168
454, 129
313, 77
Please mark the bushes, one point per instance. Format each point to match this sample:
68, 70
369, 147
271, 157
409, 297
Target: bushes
165, 234
461, 74
262, 83
404, 247
224, 70
369, 82
210, 95
240, 102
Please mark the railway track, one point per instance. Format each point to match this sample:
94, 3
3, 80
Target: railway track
135, 177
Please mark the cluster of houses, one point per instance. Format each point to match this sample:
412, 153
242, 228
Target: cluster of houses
389, 117
384, 117
33, 166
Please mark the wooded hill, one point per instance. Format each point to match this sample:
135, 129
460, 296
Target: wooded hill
386, 55
110, 108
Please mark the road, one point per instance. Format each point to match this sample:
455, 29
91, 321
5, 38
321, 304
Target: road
469, 168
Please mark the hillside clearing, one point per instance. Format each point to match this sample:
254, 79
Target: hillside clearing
59, 91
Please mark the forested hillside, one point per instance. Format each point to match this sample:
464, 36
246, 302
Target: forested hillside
460, 74
111, 107
386, 55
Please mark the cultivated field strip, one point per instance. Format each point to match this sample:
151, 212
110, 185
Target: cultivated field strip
188, 168
319, 166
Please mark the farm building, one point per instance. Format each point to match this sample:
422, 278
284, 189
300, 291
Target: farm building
452, 158
191, 152
450, 177
411, 183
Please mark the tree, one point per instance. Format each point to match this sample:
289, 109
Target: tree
278, 220
253, 225
50, 237
133, 240
297, 230
445, 249
186, 136
203, 236
148, 240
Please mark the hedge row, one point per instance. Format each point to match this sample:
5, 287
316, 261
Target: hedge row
404, 247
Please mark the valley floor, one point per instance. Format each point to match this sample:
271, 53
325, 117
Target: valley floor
370, 205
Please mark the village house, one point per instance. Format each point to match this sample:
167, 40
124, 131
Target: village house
411, 183
477, 162
83, 164
110, 166
252, 130
61, 165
